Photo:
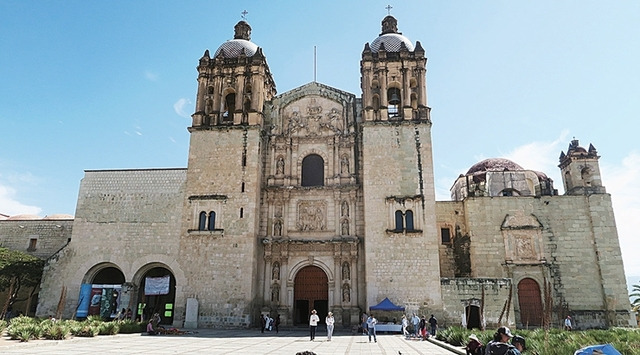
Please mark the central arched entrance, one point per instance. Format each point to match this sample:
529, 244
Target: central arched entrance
310, 291
530, 303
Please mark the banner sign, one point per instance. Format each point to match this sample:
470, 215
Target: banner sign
156, 285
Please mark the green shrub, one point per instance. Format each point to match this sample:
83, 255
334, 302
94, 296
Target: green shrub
25, 331
129, 327
109, 328
57, 331
3, 325
87, 330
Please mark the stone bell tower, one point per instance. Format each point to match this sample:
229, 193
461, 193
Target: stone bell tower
393, 77
220, 216
581, 170
234, 84
397, 174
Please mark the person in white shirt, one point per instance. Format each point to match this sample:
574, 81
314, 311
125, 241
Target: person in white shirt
371, 327
330, 322
313, 324
415, 320
405, 323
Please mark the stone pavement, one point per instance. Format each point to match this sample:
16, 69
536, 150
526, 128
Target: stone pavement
211, 341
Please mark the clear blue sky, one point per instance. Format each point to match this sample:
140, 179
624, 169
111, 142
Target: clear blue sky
111, 84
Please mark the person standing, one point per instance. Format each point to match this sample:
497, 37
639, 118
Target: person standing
405, 323
567, 323
330, 322
277, 323
433, 323
313, 324
263, 323
423, 328
371, 327
363, 324
415, 320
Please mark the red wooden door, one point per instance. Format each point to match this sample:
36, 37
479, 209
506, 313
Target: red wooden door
530, 302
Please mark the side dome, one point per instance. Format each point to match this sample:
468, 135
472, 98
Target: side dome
494, 164
390, 38
240, 44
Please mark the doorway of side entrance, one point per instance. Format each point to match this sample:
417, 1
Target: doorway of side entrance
310, 291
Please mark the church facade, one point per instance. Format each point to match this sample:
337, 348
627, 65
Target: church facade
318, 199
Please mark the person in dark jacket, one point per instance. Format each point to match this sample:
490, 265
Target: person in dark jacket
433, 323
500, 343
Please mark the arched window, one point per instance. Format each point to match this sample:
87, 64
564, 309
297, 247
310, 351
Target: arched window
312, 170
399, 221
229, 106
393, 106
212, 221
409, 219
202, 222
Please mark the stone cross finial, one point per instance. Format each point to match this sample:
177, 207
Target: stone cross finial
389, 7
244, 14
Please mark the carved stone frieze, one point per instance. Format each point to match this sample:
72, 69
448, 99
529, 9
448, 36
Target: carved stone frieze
312, 216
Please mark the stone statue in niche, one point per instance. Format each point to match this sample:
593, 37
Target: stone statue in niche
275, 272
278, 209
345, 209
275, 293
277, 228
344, 165
345, 227
346, 293
280, 166
346, 272
311, 216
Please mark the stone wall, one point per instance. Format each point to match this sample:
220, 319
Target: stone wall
127, 219
398, 176
221, 264
462, 292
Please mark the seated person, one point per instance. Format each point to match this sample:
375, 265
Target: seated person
150, 330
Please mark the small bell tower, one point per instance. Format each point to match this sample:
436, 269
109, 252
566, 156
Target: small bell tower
234, 84
393, 78
581, 170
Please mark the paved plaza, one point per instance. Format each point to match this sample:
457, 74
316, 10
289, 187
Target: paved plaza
209, 341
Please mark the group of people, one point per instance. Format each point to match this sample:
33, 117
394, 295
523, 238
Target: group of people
268, 323
503, 343
313, 324
124, 314
422, 328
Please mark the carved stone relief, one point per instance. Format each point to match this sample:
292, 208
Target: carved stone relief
314, 117
275, 272
345, 209
311, 216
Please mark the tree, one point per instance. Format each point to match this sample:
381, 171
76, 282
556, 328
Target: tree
635, 304
17, 270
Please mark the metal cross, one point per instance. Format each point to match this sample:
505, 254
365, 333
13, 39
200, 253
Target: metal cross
389, 7
244, 14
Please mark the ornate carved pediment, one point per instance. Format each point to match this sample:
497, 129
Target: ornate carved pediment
521, 221
312, 117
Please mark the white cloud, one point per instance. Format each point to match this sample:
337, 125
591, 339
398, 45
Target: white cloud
10, 206
180, 107
151, 76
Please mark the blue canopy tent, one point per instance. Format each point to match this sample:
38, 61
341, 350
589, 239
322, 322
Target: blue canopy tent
606, 349
386, 305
